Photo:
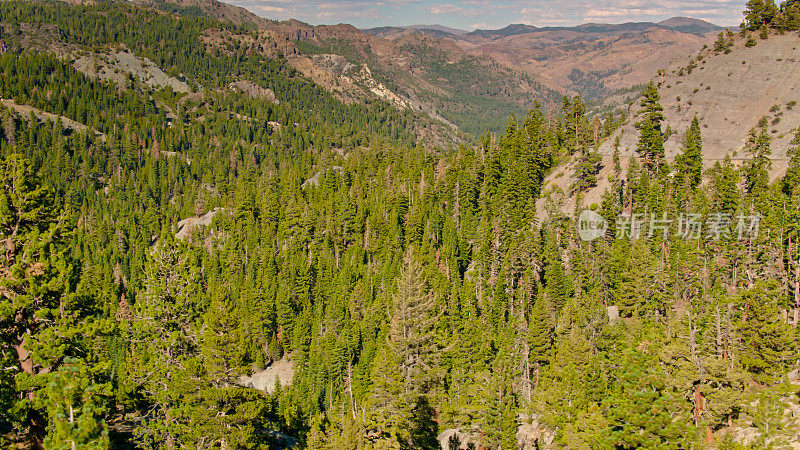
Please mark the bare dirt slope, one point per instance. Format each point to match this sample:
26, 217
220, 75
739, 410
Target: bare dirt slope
729, 93
67, 123
118, 65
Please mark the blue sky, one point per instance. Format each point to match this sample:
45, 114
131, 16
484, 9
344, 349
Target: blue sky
472, 14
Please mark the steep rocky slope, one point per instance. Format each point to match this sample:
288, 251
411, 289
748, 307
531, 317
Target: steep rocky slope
729, 92
414, 70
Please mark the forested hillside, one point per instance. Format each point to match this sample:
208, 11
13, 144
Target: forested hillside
415, 292
473, 92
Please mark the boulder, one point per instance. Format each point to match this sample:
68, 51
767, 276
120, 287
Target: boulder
613, 313
264, 380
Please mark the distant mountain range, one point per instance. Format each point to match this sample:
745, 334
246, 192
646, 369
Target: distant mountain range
591, 59
681, 24
471, 80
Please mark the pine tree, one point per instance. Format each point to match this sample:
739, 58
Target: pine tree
638, 293
638, 406
792, 178
651, 139
390, 408
407, 366
540, 335
767, 341
721, 44
586, 170
164, 341
759, 13
756, 169
725, 181
557, 286
690, 163
75, 409
36, 310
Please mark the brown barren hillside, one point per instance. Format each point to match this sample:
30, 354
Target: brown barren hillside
593, 59
730, 94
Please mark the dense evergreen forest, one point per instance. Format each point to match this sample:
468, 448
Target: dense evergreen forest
413, 289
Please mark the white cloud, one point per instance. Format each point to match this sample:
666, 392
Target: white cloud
463, 13
449, 8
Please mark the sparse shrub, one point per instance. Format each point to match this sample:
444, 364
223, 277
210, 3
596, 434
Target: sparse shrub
696, 90
750, 42
720, 44
776, 121
791, 105
708, 88
775, 108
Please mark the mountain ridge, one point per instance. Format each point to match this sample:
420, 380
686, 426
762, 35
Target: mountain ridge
471, 80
